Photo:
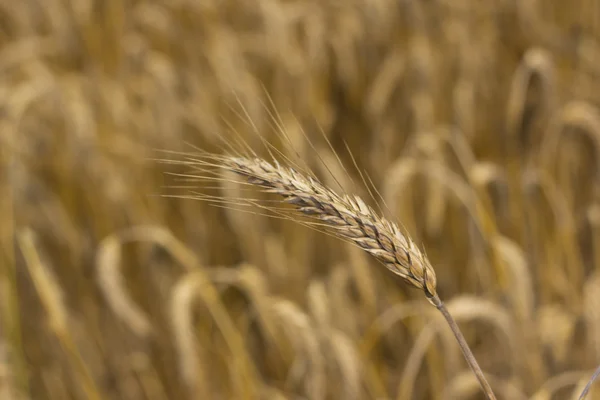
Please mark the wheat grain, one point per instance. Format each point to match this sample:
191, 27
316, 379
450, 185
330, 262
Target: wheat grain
350, 218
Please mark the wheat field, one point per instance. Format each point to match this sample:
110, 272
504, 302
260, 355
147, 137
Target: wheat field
475, 125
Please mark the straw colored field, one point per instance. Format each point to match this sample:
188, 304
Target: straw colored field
476, 121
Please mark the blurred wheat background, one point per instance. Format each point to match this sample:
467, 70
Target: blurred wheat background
477, 121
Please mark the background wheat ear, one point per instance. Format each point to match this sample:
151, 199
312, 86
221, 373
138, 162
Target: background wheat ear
351, 219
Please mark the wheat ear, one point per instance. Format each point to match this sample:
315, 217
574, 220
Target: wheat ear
350, 218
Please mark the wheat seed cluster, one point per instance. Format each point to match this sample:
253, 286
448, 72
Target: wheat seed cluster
349, 216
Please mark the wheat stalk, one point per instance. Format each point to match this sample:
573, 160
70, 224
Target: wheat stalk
589, 384
349, 218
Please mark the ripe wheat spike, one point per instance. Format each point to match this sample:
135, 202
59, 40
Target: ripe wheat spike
348, 216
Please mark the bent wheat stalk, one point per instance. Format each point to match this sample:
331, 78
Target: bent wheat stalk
349, 218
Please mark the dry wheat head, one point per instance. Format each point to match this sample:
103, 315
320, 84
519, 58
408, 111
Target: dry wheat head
349, 217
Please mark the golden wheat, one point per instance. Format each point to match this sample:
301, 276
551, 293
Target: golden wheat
477, 120
349, 218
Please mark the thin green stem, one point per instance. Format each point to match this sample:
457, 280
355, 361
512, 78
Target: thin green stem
466, 350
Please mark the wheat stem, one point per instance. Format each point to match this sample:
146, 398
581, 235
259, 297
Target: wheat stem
589, 384
466, 350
